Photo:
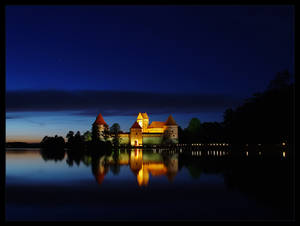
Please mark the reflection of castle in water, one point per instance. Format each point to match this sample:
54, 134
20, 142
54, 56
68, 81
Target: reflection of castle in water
141, 164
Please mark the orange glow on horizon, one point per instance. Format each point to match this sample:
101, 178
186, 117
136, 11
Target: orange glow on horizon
24, 139
27, 139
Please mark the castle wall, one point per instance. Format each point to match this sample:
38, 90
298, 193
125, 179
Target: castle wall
156, 130
145, 138
124, 138
152, 138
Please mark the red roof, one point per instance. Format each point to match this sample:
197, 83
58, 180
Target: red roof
136, 125
156, 124
170, 121
100, 120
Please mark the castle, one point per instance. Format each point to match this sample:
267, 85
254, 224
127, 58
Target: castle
143, 133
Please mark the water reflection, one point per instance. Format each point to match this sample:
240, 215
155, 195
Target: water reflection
52, 154
142, 165
100, 168
268, 180
246, 187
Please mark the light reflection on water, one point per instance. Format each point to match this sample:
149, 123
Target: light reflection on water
30, 167
152, 179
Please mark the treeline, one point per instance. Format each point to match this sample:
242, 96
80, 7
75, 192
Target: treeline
57, 142
266, 117
78, 141
89, 140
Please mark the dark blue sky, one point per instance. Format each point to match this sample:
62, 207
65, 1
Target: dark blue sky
215, 56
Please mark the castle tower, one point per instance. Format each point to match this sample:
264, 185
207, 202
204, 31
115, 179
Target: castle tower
172, 128
136, 137
101, 125
139, 120
145, 122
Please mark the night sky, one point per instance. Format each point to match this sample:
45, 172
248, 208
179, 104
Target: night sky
66, 64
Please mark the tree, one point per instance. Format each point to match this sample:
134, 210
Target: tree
194, 125
193, 131
45, 139
70, 136
266, 117
105, 133
282, 79
181, 135
87, 136
78, 138
56, 142
212, 132
228, 116
115, 128
95, 133
77, 141
115, 131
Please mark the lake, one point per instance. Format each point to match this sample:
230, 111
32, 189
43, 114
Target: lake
146, 184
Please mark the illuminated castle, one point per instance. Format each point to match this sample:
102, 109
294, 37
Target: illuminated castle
143, 133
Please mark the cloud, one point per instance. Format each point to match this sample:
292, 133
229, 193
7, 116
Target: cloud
12, 117
115, 103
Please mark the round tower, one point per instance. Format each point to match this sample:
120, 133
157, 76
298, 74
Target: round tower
172, 128
102, 126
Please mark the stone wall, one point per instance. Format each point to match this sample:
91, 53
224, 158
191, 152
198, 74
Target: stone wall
152, 138
173, 131
124, 138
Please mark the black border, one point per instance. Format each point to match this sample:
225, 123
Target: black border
128, 2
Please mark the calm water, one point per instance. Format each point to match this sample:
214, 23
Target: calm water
145, 185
